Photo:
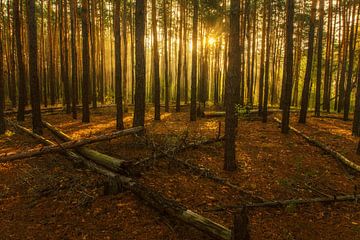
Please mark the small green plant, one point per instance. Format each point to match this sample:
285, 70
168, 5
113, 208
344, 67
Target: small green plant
243, 110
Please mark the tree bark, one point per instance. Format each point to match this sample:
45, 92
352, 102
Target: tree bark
156, 62
118, 73
194, 62
140, 18
307, 80
33, 68
86, 60
232, 83
319, 59
290, 5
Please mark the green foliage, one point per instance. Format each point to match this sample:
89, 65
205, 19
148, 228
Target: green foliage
243, 110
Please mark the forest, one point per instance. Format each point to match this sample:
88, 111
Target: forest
180, 119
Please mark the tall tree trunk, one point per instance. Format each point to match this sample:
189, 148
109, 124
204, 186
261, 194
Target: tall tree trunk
288, 65
349, 84
118, 74
156, 62
232, 83
326, 96
93, 52
267, 63
166, 59
179, 70
319, 60
306, 87
262, 65
140, 18
194, 61
345, 45
51, 72
73, 9
356, 121
185, 65
63, 56
33, 69
20, 62
124, 67
86, 60
2, 85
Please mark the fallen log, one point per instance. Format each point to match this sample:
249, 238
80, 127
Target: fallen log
158, 201
325, 148
174, 209
112, 163
69, 154
284, 203
254, 112
68, 145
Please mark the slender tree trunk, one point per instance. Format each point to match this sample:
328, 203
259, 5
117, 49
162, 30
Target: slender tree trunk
319, 60
326, 96
232, 83
73, 8
307, 80
51, 72
93, 51
33, 69
185, 65
288, 65
194, 61
20, 62
262, 65
267, 63
344, 62
118, 76
356, 121
349, 84
179, 70
166, 59
86, 60
156, 62
140, 18
124, 67
2, 85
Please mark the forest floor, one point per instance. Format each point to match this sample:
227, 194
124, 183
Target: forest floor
48, 198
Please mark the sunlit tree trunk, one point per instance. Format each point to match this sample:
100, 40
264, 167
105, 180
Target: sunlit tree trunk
267, 63
166, 59
262, 65
2, 84
180, 54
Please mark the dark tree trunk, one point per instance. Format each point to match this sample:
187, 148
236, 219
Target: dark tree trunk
118, 76
306, 87
2, 85
124, 67
93, 52
345, 46
63, 55
356, 121
51, 73
166, 60
156, 62
140, 18
20, 62
33, 68
326, 96
73, 8
319, 60
262, 65
349, 84
86, 60
180, 53
194, 61
288, 65
232, 83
